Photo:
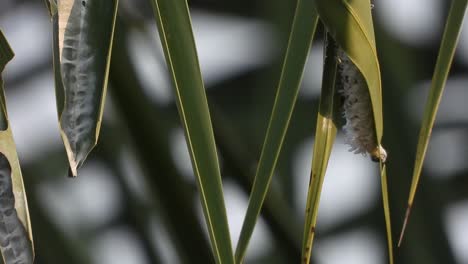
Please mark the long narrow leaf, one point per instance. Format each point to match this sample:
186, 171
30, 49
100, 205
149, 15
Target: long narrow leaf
386, 205
16, 244
83, 33
350, 24
302, 33
170, 189
325, 134
173, 19
441, 71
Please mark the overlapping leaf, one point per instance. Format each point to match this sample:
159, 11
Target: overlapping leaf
325, 134
16, 243
83, 32
386, 205
300, 39
174, 23
442, 68
350, 24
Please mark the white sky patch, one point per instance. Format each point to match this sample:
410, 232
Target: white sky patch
227, 46
350, 186
456, 219
162, 241
148, 59
133, 174
447, 153
118, 246
415, 21
462, 49
180, 154
453, 107
312, 80
21, 25
261, 241
32, 108
89, 200
356, 247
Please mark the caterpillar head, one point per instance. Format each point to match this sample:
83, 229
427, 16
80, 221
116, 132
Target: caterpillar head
378, 154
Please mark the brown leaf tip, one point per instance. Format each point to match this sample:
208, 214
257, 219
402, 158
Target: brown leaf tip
72, 172
407, 215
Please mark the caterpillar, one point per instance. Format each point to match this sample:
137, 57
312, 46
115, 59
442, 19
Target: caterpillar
359, 128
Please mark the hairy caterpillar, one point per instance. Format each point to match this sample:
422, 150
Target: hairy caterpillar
357, 110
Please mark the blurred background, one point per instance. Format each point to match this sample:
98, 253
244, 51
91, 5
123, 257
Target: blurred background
135, 200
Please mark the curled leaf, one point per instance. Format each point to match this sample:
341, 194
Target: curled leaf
83, 33
16, 243
350, 24
359, 128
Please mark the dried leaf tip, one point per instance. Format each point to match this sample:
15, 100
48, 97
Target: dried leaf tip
72, 159
72, 172
405, 222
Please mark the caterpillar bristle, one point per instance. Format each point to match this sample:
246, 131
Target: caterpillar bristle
357, 110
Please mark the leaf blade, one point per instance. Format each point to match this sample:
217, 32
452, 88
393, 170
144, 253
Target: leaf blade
83, 34
350, 24
386, 206
302, 33
353, 30
325, 135
14, 212
174, 23
444, 60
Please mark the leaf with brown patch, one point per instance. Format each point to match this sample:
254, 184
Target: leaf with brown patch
83, 36
16, 243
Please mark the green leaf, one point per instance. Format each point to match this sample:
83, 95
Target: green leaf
174, 23
83, 33
325, 134
444, 61
300, 39
350, 24
16, 244
386, 205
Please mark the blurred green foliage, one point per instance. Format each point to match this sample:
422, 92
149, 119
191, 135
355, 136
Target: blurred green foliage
240, 107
